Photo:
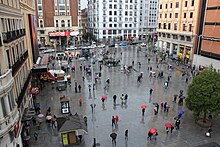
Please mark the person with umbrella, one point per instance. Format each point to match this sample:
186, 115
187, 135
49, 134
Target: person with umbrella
116, 120
152, 133
143, 109
113, 136
169, 126
103, 99
180, 113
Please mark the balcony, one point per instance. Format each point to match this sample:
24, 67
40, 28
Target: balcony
19, 63
12, 35
24, 89
6, 80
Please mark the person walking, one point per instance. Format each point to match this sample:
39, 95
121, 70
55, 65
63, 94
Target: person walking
165, 107
174, 98
35, 135
126, 135
177, 124
114, 99
79, 87
149, 135
116, 120
122, 99
126, 98
113, 136
143, 111
113, 121
151, 91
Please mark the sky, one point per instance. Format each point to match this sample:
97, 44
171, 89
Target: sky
84, 4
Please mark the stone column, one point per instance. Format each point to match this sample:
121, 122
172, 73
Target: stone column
7, 105
171, 48
178, 49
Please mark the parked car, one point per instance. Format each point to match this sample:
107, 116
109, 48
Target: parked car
111, 45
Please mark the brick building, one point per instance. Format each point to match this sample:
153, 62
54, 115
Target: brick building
207, 50
57, 21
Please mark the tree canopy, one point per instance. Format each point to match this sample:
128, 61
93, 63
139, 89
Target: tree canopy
204, 93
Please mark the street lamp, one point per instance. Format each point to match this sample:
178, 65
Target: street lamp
93, 105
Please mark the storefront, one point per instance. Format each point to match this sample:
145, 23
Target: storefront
184, 54
64, 38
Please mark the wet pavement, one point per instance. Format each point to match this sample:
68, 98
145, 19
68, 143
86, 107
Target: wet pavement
130, 115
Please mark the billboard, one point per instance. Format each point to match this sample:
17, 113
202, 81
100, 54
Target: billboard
33, 35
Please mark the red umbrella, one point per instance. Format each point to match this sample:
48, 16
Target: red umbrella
54, 119
143, 106
168, 125
153, 130
104, 96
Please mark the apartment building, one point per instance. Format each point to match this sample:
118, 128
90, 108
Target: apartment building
16, 59
121, 19
208, 43
177, 27
57, 21
83, 21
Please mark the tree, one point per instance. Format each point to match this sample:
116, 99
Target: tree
204, 94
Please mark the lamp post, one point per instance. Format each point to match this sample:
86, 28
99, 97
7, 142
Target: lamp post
93, 105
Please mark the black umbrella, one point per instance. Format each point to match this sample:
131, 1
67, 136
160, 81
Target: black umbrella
113, 135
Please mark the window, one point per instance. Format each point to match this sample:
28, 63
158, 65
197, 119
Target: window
61, 1
159, 26
184, 15
169, 26
165, 15
130, 25
115, 25
170, 15
186, 3
115, 12
103, 25
104, 32
161, 6
110, 12
164, 26
190, 27
126, 13
110, 19
115, 19
175, 26
177, 4
62, 23
160, 15
68, 23
126, 25
130, 1
176, 15
41, 24
120, 25
62, 7
40, 8
115, 6
119, 31
131, 7
192, 4
171, 5
166, 6
184, 27
110, 25
110, 6
130, 19
191, 15
130, 13
57, 24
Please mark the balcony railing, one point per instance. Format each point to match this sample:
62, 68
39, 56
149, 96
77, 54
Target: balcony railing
12, 35
24, 89
19, 63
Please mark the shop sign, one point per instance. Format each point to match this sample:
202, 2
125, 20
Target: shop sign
58, 33
35, 90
